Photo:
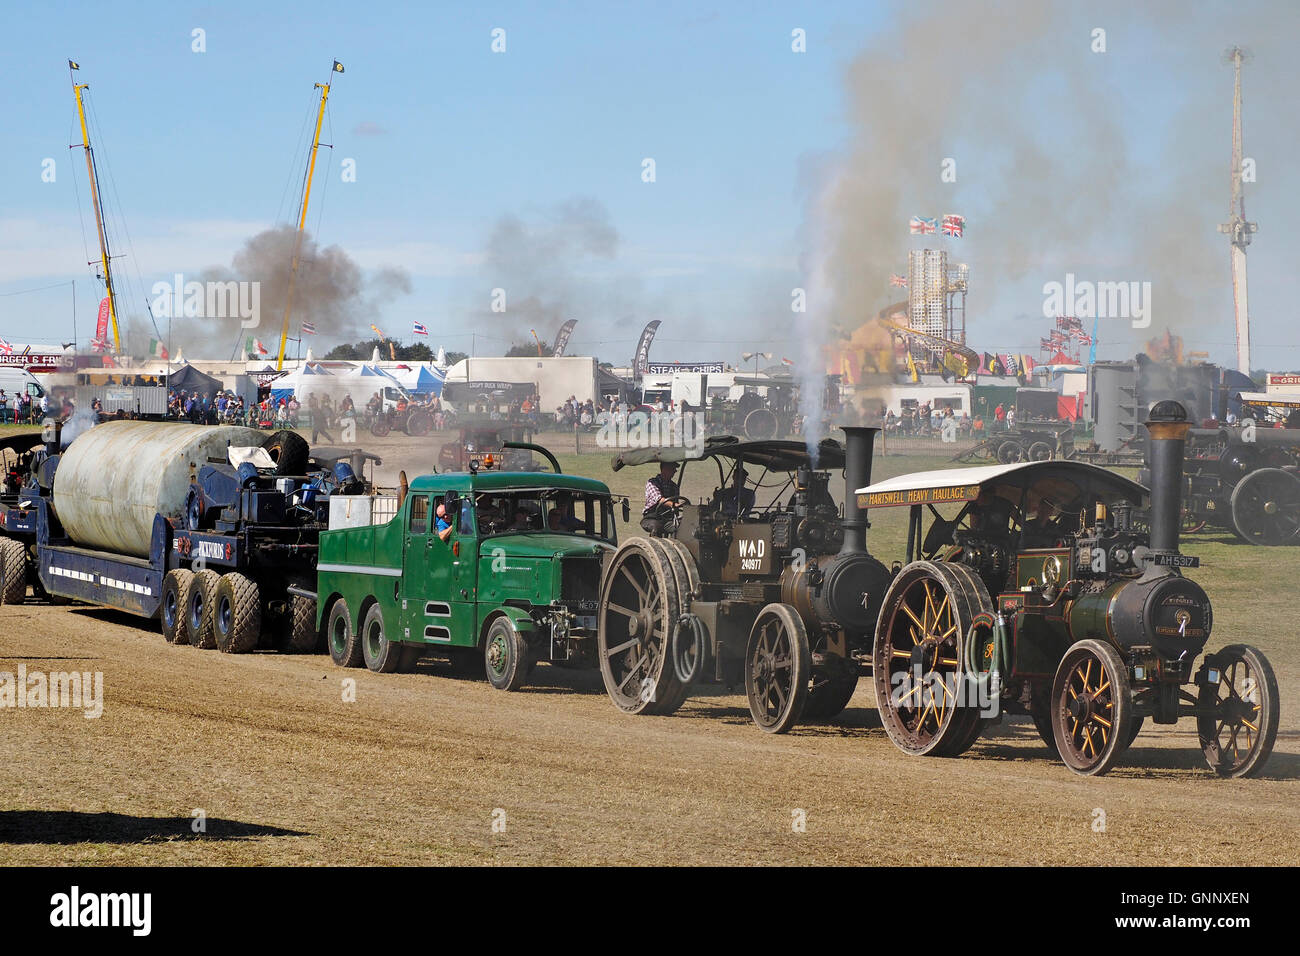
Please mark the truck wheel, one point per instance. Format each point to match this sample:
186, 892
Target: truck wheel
1092, 708
238, 615
303, 637
13, 571
177, 586
381, 655
505, 656
200, 607
345, 649
289, 451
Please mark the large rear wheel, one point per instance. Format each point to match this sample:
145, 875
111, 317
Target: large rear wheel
381, 655
344, 644
1238, 736
1266, 507
919, 677
1092, 708
638, 608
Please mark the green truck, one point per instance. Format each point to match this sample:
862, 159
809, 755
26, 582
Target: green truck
495, 570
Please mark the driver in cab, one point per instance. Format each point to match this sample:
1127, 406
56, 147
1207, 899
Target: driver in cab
662, 498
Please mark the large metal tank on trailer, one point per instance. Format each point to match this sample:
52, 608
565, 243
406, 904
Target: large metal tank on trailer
114, 478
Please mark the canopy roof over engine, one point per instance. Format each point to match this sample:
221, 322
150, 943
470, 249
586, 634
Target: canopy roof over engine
1054, 479
772, 454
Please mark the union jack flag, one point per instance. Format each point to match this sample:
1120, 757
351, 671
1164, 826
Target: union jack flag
308, 328
420, 329
6, 348
896, 279
954, 225
921, 226
99, 345
1083, 337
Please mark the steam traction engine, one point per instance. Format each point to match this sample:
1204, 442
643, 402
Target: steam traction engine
765, 584
1043, 596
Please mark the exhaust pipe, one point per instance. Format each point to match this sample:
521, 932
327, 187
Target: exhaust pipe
859, 445
1168, 426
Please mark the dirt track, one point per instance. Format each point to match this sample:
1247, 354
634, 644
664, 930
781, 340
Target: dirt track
413, 771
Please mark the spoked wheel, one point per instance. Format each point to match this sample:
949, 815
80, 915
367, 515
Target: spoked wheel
1010, 452
1092, 708
638, 608
917, 662
778, 667
1238, 737
1266, 507
1040, 451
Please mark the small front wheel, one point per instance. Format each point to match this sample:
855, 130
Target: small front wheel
1238, 735
778, 668
505, 656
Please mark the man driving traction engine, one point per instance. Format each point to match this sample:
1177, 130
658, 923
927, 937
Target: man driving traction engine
662, 499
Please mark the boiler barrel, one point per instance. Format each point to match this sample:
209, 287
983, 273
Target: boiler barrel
115, 477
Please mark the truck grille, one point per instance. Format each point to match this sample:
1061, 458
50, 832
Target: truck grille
580, 580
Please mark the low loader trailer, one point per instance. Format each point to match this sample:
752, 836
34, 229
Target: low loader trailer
213, 531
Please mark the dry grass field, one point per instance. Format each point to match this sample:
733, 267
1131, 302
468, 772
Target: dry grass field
420, 766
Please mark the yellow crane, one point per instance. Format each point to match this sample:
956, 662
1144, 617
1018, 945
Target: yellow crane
97, 206
302, 219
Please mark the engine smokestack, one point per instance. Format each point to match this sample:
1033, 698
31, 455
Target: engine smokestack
1167, 426
859, 445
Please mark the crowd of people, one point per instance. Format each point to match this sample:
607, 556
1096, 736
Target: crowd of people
19, 409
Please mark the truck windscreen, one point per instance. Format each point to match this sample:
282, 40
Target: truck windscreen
556, 512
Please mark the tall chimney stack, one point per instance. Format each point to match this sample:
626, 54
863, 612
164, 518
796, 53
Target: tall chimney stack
859, 445
1167, 425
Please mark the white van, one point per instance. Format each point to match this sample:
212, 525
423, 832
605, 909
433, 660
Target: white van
15, 382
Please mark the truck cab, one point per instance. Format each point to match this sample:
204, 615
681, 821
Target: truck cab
496, 570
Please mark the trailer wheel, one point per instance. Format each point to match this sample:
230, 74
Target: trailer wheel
1238, 736
303, 638
345, 648
1266, 507
237, 614
505, 656
200, 609
778, 668
13, 571
176, 589
1092, 708
289, 451
380, 654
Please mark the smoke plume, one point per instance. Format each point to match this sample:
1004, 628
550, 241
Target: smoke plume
330, 290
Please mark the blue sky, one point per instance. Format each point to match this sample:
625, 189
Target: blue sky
200, 152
